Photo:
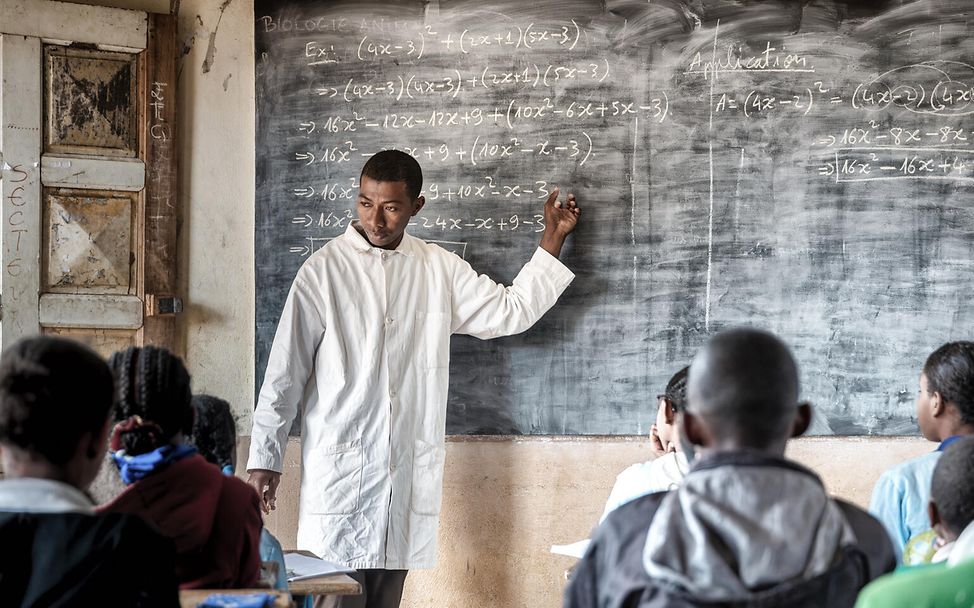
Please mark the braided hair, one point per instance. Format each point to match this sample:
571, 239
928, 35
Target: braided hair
53, 391
214, 432
676, 390
152, 384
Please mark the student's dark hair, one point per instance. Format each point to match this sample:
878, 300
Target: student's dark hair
214, 432
950, 372
746, 382
53, 391
952, 487
151, 383
676, 390
395, 166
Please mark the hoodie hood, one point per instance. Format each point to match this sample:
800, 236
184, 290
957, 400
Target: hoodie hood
742, 524
34, 495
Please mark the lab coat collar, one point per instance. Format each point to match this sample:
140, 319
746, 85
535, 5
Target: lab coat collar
407, 246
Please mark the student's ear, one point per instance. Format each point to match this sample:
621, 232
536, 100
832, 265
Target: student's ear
418, 204
694, 429
937, 523
803, 419
938, 407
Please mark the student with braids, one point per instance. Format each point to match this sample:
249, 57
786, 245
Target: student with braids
55, 401
669, 466
214, 520
215, 436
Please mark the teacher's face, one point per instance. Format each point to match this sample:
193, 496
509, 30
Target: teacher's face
384, 210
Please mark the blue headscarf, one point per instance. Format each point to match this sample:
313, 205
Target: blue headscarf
140, 466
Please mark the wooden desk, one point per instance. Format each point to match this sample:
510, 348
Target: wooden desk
190, 598
335, 584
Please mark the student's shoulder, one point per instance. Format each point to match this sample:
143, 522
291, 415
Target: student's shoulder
121, 534
635, 472
908, 468
629, 520
871, 538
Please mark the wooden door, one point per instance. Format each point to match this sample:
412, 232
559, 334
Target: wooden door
87, 248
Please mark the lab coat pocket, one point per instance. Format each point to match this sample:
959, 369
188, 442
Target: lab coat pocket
427, 478
433, 333
337, 470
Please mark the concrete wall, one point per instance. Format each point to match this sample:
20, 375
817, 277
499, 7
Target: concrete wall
216, 186
505, 501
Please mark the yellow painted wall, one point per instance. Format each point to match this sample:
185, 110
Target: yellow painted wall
506, 501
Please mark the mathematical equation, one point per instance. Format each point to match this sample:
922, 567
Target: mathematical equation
951, 135
931, 87
757, 102
338, 222
482, 149
412, 86
532, 37
488, 189
515, 114
867, 165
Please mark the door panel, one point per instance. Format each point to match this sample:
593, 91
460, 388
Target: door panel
102, 341
89, 241
90, 102
86, 110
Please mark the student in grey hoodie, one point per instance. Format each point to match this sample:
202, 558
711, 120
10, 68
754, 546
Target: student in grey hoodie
747, 527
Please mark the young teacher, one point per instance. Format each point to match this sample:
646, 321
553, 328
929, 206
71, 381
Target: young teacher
363, 346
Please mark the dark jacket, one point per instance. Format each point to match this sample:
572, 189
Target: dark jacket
213, 520
76, 559
745, 529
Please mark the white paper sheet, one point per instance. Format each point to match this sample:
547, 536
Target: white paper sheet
301, 567
576, 549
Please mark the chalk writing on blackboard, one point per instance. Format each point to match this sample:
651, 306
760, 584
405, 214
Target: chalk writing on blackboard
796, 167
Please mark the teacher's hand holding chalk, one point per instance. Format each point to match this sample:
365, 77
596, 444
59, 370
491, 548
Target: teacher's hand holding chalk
560, 219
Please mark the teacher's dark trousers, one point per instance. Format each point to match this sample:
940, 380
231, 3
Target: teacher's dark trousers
380, 589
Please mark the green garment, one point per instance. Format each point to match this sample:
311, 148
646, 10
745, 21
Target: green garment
932, 586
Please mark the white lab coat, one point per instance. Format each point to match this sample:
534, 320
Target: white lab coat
364, 345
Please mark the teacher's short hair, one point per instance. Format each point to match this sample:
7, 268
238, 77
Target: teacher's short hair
395, 166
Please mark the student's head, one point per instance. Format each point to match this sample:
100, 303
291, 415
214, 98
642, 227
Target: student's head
55, 401
742, 393
214, 432
388, 196
669, 404
945, 402
153, 398
952, 490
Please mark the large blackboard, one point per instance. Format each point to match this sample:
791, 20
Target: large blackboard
800, 166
